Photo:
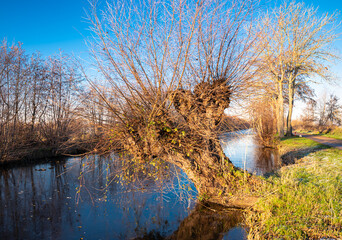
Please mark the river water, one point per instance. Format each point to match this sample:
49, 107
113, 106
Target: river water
242, 149
76, 198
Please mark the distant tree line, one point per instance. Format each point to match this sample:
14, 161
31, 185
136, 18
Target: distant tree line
38, 97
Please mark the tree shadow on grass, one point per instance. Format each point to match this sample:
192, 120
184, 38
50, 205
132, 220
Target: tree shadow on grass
292, 156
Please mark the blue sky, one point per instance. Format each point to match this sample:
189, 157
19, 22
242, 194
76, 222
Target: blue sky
50, 25
327, 6
44, 25
330, 6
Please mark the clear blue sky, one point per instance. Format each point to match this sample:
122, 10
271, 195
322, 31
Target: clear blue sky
50, 25
44, 25
47, 25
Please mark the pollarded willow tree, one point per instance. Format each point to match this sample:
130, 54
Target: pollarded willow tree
170, 69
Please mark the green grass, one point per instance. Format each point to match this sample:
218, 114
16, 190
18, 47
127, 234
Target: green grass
296, 143
303, 201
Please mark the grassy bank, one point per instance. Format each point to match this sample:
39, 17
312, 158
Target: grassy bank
301, 201
290, 144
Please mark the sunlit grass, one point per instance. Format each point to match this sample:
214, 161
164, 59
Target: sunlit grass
303, 201
296, 143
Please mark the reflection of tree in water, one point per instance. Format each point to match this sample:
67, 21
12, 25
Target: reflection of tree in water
244, 150
144, 204
148, 201
148, 218
33, 203
266, 159
206, 224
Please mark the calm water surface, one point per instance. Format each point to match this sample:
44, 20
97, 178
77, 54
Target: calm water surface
243, 150
45, 201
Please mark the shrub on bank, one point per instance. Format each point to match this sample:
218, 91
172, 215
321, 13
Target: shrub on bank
334, 133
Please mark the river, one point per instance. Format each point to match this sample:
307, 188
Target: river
74, 198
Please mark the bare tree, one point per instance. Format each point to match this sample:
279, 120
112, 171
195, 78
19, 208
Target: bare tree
309, 117
333, 110
37, 91
298, 50
328, 111
322, 112
170, 69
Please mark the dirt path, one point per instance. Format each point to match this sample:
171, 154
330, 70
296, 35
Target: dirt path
331, 142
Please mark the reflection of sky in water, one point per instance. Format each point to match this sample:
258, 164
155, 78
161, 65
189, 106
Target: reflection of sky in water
242, 150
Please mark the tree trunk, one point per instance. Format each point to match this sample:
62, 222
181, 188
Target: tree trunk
217, 180
289, 115
280, 110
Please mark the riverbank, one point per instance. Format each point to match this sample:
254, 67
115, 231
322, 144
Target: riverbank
303, 200
39, 154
